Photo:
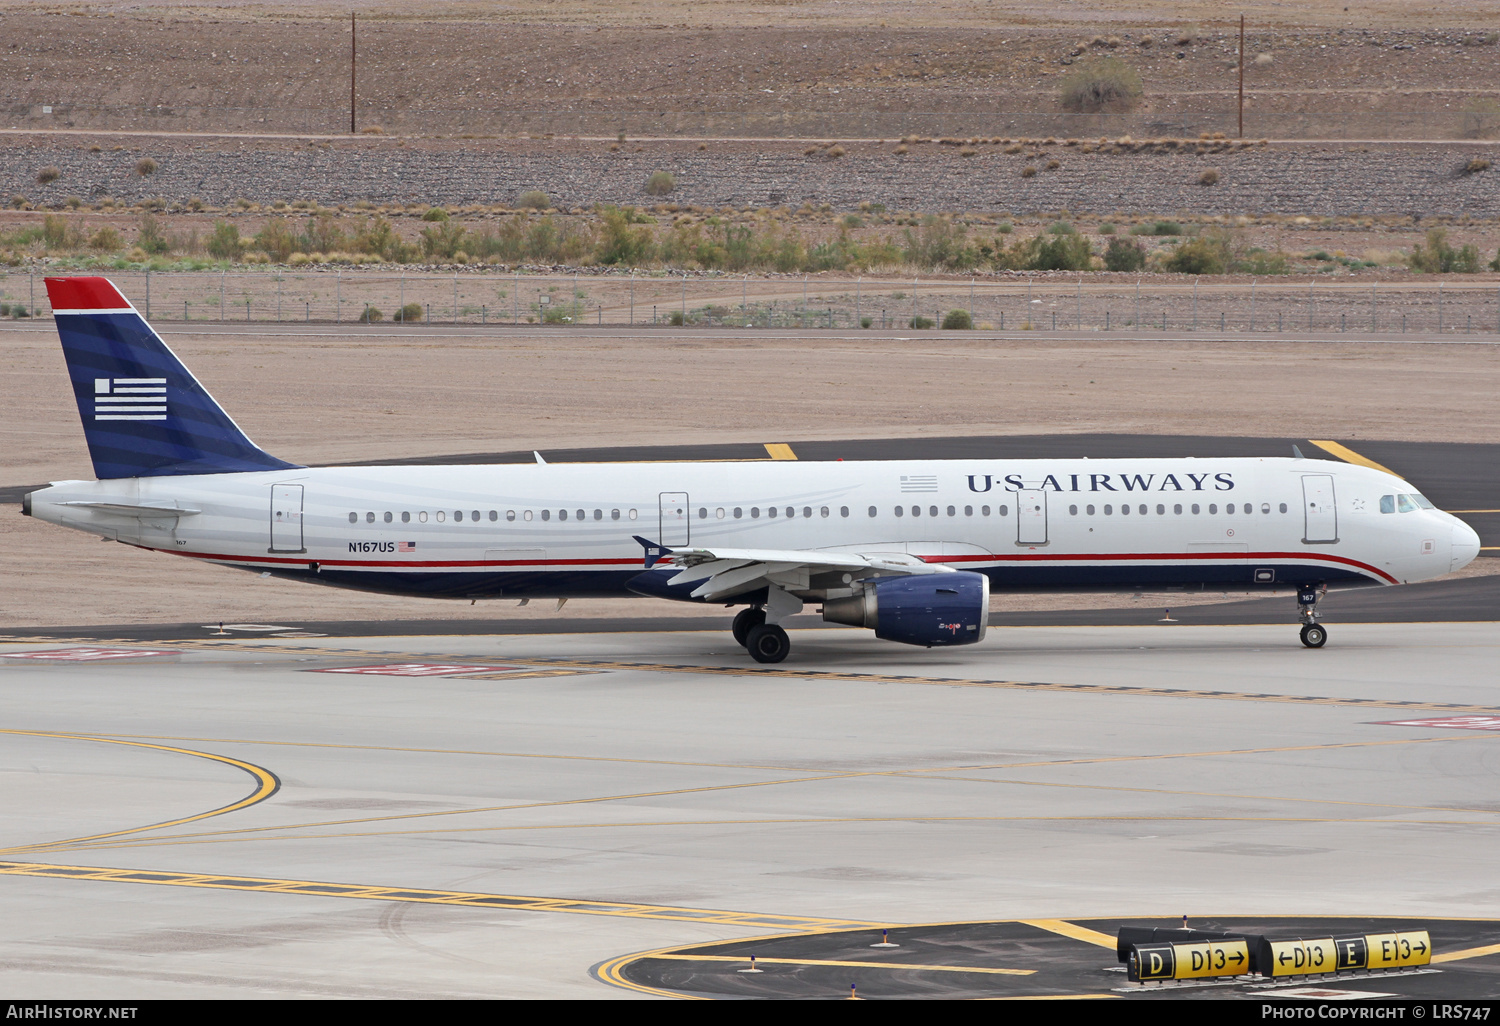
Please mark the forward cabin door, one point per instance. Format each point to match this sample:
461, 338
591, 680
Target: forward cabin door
1031, 517
1322, 525
674, 519
286, 518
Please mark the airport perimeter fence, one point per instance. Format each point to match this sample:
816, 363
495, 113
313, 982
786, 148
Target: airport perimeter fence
1053, 302
977, 121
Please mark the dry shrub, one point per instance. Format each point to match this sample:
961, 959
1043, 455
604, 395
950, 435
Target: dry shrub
372, 130
661, 183
1476, 165
836, 151
1098, 86
48, 174
1053, 165
534, 199
902, 149
1028, 171
145, 166
966, 152
1263, 60
1146, 41
1209, 177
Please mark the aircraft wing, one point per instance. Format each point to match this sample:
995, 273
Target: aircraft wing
729, 571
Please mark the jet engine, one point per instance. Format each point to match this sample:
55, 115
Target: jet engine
931, 609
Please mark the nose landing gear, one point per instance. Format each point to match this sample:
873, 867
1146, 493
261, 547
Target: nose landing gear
1314, 635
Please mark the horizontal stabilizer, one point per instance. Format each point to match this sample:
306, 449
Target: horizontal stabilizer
130, 509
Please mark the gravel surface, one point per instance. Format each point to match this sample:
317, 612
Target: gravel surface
1407, 181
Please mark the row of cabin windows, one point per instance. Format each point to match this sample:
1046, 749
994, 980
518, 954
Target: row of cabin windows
1161, 509
510, 515
808, 512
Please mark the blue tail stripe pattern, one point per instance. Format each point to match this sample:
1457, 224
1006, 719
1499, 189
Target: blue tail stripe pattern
144, 414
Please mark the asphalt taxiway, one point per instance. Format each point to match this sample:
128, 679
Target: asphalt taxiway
599, 814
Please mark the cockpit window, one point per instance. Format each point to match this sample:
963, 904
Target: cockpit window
1405, 505
1421, 500
1387, 504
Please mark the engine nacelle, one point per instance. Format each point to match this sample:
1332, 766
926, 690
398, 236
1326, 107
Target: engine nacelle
933, 609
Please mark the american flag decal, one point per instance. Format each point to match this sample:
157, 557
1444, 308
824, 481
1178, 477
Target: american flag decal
406, 547
919, 482
130, 398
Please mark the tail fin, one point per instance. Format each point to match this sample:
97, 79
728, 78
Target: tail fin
144, 414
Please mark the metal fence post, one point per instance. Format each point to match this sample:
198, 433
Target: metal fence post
455, 296
222, 272
338, 293
148, 293
1138, 303
278, 298
632, 297
913, 297
1195, 302
1374, 317
1252, 304
1440, 308
1078, 305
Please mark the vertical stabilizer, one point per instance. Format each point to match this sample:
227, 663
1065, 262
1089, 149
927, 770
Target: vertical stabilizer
144, 414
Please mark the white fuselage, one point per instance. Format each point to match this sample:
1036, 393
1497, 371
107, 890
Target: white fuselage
568, 529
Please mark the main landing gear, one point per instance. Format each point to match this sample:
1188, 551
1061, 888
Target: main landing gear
766, 642
1314, 635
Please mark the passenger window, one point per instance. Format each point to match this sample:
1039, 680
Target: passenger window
738, 513
441, 516
843, 511
353, 518
1004, 511
823, 512
916, 511
754, 512
598, 514
370, 517
932, 511
1177, 509
1228, 508
1265, 507
562, 514
719, 513
1089, 509
1405, 505
1072, 511
1387, 504
510, 515
422, 517
968, 511
614, 514
807, 511
406, 516
771, 512
872, 511
475, 516
1195, 509
791, 512
984, 511
388, 517
900, 511
632, 514
527, 514
546, 514
1213, 507
1161, 510
458, 515
494, 515
1124, 509
1283, 507
702, 512
1108, 509
952, 512
580, 514
1141, 509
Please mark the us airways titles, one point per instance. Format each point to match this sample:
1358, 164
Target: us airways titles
1107, 483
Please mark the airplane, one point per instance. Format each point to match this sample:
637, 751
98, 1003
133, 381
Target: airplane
909, 549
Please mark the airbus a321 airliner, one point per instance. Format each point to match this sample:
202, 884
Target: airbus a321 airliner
910, 549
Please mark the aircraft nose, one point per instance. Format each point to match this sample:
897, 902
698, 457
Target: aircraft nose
1465, 546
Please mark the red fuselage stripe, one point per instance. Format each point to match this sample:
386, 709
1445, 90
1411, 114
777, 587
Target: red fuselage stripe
1026, 557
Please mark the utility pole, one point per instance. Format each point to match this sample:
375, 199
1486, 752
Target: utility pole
1242, 76
353, 54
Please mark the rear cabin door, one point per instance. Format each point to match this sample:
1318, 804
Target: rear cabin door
1322, 525
674, 519
286, 518
1031, 517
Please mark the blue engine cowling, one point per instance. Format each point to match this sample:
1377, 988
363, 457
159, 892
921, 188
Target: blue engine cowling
933, 609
